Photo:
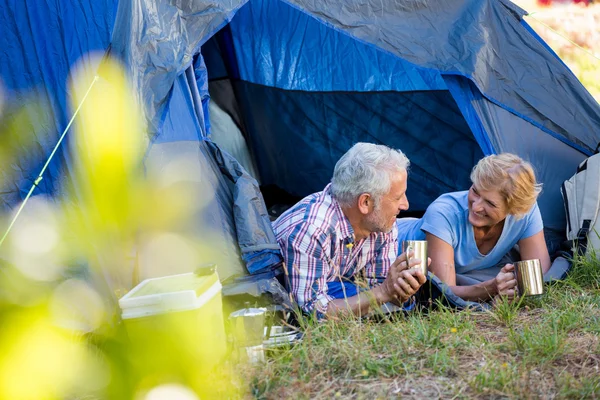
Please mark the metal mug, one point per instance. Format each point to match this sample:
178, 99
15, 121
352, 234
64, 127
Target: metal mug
419, 247
530, 278
247, 328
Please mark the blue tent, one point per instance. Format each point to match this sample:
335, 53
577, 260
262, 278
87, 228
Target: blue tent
445, 81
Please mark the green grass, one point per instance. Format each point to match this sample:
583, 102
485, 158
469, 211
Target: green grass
546, 347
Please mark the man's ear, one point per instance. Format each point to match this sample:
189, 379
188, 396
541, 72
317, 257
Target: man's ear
365, 201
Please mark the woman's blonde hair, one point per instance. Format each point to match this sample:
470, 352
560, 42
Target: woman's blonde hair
513, 177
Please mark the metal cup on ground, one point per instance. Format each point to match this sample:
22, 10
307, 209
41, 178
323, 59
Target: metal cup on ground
247, 328
530, 278
419, 249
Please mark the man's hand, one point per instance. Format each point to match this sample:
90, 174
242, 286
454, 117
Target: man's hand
403, 280
506, 282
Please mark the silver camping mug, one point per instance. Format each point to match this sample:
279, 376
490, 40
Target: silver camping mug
247, 327
419, 248
530, 279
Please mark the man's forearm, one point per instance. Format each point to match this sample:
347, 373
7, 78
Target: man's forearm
358, 305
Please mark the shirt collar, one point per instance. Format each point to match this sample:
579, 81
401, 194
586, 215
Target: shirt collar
345, 228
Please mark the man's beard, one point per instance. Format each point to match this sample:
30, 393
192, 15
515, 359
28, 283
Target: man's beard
375, 222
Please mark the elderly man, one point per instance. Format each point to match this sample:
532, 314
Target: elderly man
331, 237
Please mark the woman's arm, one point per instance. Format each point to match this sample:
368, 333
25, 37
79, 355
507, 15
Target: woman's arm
535, 247
442, 266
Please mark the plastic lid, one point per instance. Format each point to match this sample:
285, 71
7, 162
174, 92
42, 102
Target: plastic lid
169, 293
174, 283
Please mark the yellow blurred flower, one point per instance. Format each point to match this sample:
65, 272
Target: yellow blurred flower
41, 361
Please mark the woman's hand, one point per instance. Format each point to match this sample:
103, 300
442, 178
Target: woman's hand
506, 282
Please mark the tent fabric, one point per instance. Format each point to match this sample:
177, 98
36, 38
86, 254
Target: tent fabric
180, 122
39, 44
445, 81
231, 219
176, 114
198, 78
212, 225
479, 40
157, 41
297, 52
551, 159
226, 134
255, 236
427, 126
499, 130
464, 94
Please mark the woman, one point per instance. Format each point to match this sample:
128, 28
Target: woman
471, 234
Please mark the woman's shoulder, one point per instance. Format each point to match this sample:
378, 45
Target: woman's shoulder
531, 215
448, 210
445, 217
451, 202
531, 221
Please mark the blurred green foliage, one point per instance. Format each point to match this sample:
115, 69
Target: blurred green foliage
68, 260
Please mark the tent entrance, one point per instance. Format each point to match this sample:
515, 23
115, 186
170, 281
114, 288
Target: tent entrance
296, 137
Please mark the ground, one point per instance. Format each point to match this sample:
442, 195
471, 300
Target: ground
546, 347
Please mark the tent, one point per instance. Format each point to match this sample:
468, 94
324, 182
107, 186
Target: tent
445, 81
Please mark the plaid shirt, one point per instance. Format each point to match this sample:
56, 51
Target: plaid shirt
317, 243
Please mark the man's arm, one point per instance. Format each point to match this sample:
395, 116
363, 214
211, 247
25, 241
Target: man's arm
401, 283
360, 304
307, 267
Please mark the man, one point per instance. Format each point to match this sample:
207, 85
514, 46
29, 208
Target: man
330, 237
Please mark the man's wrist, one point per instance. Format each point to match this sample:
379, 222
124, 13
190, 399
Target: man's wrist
381, 295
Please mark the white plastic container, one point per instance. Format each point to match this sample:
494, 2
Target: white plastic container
176, 322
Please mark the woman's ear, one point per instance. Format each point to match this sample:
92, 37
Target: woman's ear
364, 203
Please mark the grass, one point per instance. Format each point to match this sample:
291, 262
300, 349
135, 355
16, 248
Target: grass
545, 347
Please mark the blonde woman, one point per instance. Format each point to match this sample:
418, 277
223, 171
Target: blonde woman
471, 234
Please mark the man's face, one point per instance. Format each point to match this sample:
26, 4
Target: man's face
383, 215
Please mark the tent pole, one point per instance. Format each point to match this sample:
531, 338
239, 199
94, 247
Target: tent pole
40, 175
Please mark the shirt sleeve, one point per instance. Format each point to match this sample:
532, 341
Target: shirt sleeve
534, 222
378, 266
440, 220
304, 253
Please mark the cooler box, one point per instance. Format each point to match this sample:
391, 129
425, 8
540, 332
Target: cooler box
175, 323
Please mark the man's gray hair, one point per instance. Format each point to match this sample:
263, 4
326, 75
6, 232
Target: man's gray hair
366, 168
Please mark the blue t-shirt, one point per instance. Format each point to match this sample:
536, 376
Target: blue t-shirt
448, 218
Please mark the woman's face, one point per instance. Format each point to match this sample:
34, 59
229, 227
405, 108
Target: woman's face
486, 208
